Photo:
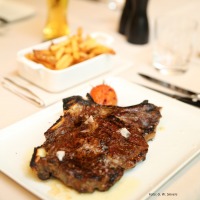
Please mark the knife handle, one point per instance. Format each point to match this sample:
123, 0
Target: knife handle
189, 101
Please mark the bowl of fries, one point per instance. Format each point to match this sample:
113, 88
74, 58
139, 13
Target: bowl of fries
64, 62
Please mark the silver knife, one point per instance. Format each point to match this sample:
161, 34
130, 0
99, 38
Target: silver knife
191, 94
184, 99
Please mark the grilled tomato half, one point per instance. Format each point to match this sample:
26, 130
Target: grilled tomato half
104, 94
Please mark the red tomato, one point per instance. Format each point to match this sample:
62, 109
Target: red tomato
104, 94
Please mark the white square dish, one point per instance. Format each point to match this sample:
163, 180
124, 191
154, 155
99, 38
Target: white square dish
177, 137
59, 80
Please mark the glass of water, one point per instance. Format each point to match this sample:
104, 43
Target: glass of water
173, 43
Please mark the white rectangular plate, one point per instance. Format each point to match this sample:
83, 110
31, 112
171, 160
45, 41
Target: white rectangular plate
176, 143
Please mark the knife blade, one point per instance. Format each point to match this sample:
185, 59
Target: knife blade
191, 94
184, 99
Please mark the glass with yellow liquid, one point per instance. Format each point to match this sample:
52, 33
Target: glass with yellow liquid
56, 24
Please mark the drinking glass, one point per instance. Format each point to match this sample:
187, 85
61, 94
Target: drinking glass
173, 43
56, 24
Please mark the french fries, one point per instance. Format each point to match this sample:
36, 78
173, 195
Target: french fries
75, 49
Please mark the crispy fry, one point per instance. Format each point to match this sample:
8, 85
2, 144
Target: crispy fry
59, 53
101, 49
30, 56
64, 62
88, 44
44, 56
76, 55
79, 32
74, 49
68, 50
55, 47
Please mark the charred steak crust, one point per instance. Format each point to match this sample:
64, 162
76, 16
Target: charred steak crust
91, 145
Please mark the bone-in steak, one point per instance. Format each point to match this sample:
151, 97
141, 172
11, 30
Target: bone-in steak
91, 145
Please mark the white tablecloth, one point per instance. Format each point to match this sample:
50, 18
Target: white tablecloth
93, 16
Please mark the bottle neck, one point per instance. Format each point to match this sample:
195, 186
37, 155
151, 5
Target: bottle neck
140, 6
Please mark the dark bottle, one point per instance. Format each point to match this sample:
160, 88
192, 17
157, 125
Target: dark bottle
125, 16
137, 30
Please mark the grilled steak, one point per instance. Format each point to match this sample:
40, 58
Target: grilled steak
91, 145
